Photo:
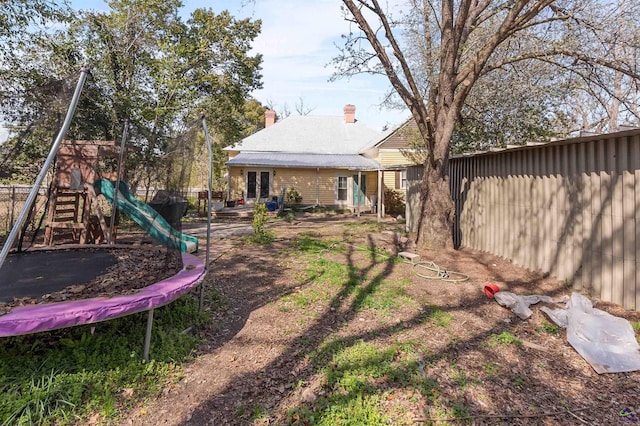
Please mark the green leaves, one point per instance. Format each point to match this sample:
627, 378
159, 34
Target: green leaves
149, 66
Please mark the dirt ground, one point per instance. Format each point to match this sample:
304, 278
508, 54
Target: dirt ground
254, 355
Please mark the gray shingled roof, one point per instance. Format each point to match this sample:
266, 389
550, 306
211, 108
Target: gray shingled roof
280, 159
307, 134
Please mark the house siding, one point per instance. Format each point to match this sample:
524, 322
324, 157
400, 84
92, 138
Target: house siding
399, 139
315, 186
394, 157
303, 180
236, 181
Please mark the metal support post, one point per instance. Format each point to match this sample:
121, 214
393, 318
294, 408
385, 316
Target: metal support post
45, 167
147, 337
117, 188
206, 262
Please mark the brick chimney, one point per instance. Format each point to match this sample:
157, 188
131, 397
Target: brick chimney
349, 113
269, 118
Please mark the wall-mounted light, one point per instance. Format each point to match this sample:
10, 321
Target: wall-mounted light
274, 172
241, 171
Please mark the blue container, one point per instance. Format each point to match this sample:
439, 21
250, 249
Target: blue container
271, 205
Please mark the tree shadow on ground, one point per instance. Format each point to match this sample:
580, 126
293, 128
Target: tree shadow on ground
446, 370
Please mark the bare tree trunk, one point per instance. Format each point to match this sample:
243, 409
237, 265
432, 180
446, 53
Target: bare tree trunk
435, 227
436, 221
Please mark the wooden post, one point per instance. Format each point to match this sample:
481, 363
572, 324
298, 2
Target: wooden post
378, 201
13, 205
359, 191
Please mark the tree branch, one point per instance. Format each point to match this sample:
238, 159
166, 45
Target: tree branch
411, 95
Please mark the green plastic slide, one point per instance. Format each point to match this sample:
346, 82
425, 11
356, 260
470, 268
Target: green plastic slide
145, 216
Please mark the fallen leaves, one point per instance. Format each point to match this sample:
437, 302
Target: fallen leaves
137, 267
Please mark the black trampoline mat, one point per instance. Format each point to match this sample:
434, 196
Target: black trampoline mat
38, 273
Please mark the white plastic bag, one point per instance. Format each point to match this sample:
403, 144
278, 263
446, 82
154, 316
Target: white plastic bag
608, 343
520, 304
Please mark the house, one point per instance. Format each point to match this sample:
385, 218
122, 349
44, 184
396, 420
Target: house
330, 161
391, 152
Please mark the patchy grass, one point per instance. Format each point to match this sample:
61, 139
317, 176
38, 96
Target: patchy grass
71, 374
304, 298
358, 378
369, 287
389, 296
438, 317
548, 327
336, 334
259, 414
503, 339
366, 226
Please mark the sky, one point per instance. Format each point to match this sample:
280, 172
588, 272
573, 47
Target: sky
297, 43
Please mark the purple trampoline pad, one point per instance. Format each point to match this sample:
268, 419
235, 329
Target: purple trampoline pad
35, 274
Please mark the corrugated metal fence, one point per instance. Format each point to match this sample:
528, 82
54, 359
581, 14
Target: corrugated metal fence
569, 208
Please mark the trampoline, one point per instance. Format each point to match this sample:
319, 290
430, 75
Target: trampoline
50, 316
34, 275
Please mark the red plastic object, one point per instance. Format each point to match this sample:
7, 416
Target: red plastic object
490, 290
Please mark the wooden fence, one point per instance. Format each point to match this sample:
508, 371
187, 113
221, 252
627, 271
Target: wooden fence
569, 208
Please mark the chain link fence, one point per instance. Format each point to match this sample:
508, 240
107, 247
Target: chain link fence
12, 199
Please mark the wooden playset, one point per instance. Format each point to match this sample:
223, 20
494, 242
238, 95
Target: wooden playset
73, 205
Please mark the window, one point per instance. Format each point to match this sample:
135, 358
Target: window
342, 188
401, 179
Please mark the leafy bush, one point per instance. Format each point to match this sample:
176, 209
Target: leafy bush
260, 235
394, 203
259, 217
293, 196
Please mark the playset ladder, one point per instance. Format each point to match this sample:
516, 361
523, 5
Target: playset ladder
68, 210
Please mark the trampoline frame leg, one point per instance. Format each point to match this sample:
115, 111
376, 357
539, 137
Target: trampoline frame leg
147, 337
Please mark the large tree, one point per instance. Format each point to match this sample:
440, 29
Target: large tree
436, 52
22, 19
155, 70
